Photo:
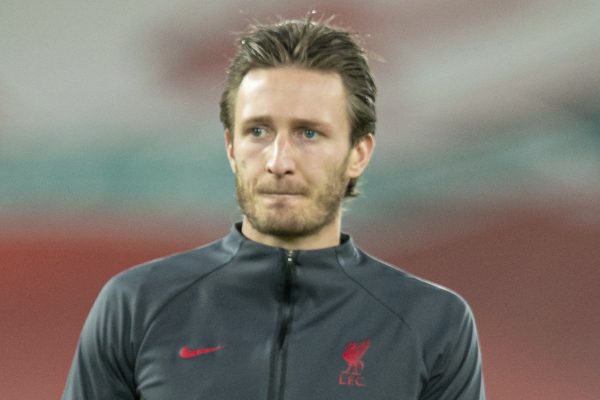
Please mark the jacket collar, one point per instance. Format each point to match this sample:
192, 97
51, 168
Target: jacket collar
346, 252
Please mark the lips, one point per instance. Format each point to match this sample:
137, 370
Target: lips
280, 194
281, 190
286, 191
281, 197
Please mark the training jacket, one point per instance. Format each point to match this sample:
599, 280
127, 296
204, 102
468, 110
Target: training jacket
237, 319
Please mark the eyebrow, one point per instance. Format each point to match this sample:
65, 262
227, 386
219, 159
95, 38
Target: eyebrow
266, 120
257, 121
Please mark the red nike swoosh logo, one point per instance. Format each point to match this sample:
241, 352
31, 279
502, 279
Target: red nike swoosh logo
186, 352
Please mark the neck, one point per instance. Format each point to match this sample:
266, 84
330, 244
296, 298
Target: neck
327, 236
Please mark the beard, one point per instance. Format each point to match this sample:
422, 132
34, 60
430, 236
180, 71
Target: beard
292, 219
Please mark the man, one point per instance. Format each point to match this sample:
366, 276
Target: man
284, 306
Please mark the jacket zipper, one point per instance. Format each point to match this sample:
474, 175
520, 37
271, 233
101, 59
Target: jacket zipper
279, 351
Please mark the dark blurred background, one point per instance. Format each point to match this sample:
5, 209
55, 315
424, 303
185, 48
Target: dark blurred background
486, 177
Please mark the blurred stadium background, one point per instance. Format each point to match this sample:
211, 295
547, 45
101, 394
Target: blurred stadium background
486, 177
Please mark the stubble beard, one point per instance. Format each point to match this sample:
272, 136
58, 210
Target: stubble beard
298, 220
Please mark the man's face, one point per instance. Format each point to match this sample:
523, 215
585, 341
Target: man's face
290, 150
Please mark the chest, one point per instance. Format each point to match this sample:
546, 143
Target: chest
225, 347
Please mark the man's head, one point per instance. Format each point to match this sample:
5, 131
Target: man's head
307, 45
298, 111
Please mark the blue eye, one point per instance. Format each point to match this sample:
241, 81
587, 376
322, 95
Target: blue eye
257, 131
310, 134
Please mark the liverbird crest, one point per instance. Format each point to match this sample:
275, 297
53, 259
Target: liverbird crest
353, 354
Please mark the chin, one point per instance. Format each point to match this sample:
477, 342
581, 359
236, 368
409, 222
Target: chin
287, 223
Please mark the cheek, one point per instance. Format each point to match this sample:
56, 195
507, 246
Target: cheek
252, 159
325, 161
247, 153
246, 171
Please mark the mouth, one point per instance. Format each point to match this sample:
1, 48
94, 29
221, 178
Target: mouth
287, 190
280, 196
281, 193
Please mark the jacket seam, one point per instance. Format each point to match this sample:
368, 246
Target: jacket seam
376, 298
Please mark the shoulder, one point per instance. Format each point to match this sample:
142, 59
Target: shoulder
183, 265
145, 288
425, 306
441, 323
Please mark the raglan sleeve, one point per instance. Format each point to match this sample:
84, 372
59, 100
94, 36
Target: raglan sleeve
102, 367
457, 374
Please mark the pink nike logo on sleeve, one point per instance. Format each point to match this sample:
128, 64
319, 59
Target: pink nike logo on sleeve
186, 352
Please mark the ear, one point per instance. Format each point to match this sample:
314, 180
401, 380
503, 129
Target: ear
229, 149
360, 155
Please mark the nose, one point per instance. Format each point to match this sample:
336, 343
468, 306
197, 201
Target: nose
280, 158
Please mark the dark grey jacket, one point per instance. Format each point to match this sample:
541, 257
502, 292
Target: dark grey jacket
240, 320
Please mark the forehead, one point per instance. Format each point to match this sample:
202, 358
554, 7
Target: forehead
292, 93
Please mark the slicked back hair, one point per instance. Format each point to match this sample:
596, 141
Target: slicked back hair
312, 45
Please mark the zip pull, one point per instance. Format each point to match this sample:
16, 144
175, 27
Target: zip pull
291, 256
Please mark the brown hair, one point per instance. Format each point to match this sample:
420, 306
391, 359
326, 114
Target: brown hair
311, 45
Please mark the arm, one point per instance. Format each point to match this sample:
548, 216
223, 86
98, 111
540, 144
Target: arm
457, 372
103, 364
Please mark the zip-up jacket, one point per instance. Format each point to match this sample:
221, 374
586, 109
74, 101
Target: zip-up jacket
237, 319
